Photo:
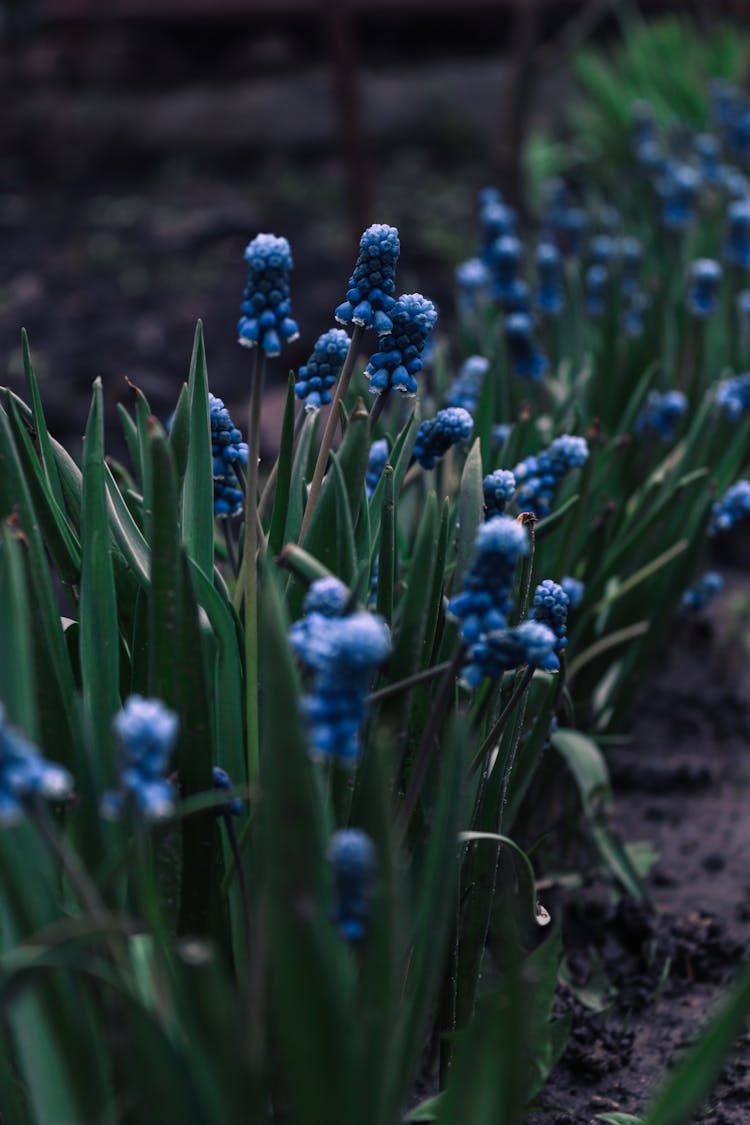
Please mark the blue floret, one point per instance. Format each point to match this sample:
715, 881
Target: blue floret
449, 427
316, 378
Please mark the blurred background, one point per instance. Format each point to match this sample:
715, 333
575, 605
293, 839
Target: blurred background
144, 142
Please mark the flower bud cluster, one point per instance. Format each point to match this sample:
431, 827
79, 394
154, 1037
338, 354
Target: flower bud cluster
539, 476
466, 389
550, 294
733, 506
498, 489
25, 774
353, 861
550, 607
343, 652
733, 396
146, 732
369, 299
704, 278
227, 450
661, 414
316, 377
266, 306
702, 592
528, 361
376, 463
400, 355
449, 427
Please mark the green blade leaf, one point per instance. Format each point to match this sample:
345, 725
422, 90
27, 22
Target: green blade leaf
197, 493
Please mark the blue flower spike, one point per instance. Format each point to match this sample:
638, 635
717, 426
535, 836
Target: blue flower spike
539, 476
661, 414
698, 596
343, 652
530, 643
472, 282
550, 607
733, 507
401, 350
733, 396
550, 293
222, 782
316, 377
498, 489
708, 151
369, 300
631, 260
679, 189
504, 260
146, 732
595, 282
353, 860
602, 250
704, 279
466, 389
449, 427
737, 243
575, 589
376, 461
25, 774
266, 307
528, 361
228, 450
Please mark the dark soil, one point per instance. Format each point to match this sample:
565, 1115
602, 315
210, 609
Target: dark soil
682, 784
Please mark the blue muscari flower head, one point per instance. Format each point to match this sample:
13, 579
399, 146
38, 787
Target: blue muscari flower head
631, 313
503, 649
25, 774
550, 294
643, 130
737, 243
708, 151
328, 596
472, 281
564, 223
661, 413
353, 860
539, 476
496, 220
574, 589
528, 361
222, 781
343, 652
631, 259
610, 218
146, 731
483, 605
602, 250
376, 462
498, 489
723, 96
466, 389
400, 355
595, 283
678, 189
369, 299
737, 134
734, 183
316, 378
702, 592
550, 607
733, 506
733, 396
500, 434
488, 195
704, 278
228, 450
435, 436
266, 306
504, 260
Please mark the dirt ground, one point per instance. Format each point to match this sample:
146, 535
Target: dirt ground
124, 212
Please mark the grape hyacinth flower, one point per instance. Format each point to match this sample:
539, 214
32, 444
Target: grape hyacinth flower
353, 860
734, 183
146, 732
265, 320
483, 605
316, 377
701, 593
733, 506
400, 357
550, 607
501, 650
679, 189
733, 396
704, 278
550, 294
708, 152
539, 476
498, 489
496, 220
369, 299
643, 129
602, 250
466, 389
376, 462
661, 414
500, 434
595, 284
631, 260
227, 450
221, 782
565, 223
737, 243
472, 282
528, 361
504, 260
575, 590
25, 774
632, 311
743, 316
437, 435
343, 652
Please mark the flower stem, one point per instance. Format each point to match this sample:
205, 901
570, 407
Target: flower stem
330, 431
408, 682
377, 408
251, 573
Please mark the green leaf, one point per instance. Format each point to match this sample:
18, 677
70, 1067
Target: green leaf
387, 552
427, 1110
17, 681
198, 490
470, 510
411, 615
179, 435
619, 1119
165, 596
283, 474
40, 425
297, 486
